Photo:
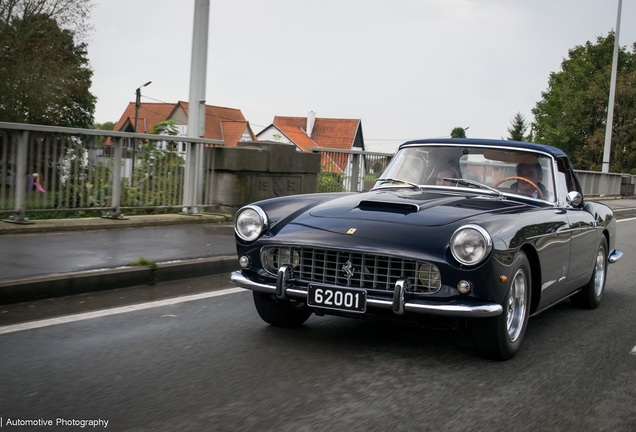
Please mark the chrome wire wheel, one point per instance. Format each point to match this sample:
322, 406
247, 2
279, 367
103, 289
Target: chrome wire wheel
591, 294
516, 307
599, 272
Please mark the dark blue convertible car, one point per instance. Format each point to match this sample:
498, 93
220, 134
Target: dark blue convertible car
484, 233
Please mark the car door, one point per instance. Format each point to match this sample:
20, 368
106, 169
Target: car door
582, 226
583, 245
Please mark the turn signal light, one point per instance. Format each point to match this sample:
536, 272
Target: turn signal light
463, 286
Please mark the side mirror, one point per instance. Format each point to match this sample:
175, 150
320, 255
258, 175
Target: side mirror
574, 198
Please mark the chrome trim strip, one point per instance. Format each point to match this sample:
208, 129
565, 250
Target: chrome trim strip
415, 306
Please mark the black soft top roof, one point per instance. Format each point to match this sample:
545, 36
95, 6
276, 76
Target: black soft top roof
553, 151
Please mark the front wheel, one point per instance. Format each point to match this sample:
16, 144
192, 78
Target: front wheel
280, 313
500, 337
591, 294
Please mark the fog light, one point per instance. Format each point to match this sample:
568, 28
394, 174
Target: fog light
244, 261
429, 276
463, 286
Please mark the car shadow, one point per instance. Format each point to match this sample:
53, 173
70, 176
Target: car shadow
343, 335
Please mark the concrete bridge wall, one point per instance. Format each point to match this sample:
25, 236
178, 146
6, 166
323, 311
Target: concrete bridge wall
256, 171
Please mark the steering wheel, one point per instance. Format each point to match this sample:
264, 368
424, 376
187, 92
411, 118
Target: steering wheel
530, 182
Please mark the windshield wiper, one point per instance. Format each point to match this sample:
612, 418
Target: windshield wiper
466, 182
393, 180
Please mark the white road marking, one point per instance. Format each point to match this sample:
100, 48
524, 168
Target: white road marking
626, 220
633, 352
114, 311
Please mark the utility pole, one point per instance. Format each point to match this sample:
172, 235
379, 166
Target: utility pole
610, 105
137, 106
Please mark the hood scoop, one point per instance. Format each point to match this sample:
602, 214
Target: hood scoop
388, 206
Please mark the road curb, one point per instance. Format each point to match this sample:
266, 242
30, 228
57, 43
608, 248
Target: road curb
95, 223
64, 284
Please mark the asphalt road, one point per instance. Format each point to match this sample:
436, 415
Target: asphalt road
211, 364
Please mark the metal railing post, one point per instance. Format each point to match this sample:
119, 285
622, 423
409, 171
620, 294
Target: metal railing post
19, 214
355, 172
189, 179
193, 181
115, 203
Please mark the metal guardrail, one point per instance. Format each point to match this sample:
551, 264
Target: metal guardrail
47, 168
349, 170
601, 184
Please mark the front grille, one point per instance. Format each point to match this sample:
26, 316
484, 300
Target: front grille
352, 269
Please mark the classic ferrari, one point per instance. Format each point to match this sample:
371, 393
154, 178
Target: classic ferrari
479, 233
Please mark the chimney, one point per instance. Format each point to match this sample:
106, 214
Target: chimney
311, 119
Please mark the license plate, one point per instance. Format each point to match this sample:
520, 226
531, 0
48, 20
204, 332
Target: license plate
345, 299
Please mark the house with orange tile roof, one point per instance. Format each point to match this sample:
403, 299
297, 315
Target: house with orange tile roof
313, 132
221, 123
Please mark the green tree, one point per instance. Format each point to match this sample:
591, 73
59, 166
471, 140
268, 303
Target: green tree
106, 126
166, 127
45, 77
69, 14
573, 111
458, 132
518, 128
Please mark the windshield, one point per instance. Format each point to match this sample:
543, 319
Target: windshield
510, 171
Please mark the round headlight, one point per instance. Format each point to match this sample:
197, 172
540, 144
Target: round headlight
470, 244
250, 222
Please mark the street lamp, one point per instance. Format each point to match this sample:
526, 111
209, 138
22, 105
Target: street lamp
136, 129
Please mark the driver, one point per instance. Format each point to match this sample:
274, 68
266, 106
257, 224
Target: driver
534, 173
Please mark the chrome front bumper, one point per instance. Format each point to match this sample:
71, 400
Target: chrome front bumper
399, 305
615, 256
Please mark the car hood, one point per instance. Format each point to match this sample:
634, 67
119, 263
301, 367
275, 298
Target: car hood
405, 208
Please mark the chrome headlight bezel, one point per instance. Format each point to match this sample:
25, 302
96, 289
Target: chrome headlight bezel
470, 245
250, 222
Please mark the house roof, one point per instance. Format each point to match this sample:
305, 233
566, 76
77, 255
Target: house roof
221, 123
233, 131
217, 119
149, 115
298, 136
327, 132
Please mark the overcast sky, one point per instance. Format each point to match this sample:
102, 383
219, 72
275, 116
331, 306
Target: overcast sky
407, 68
